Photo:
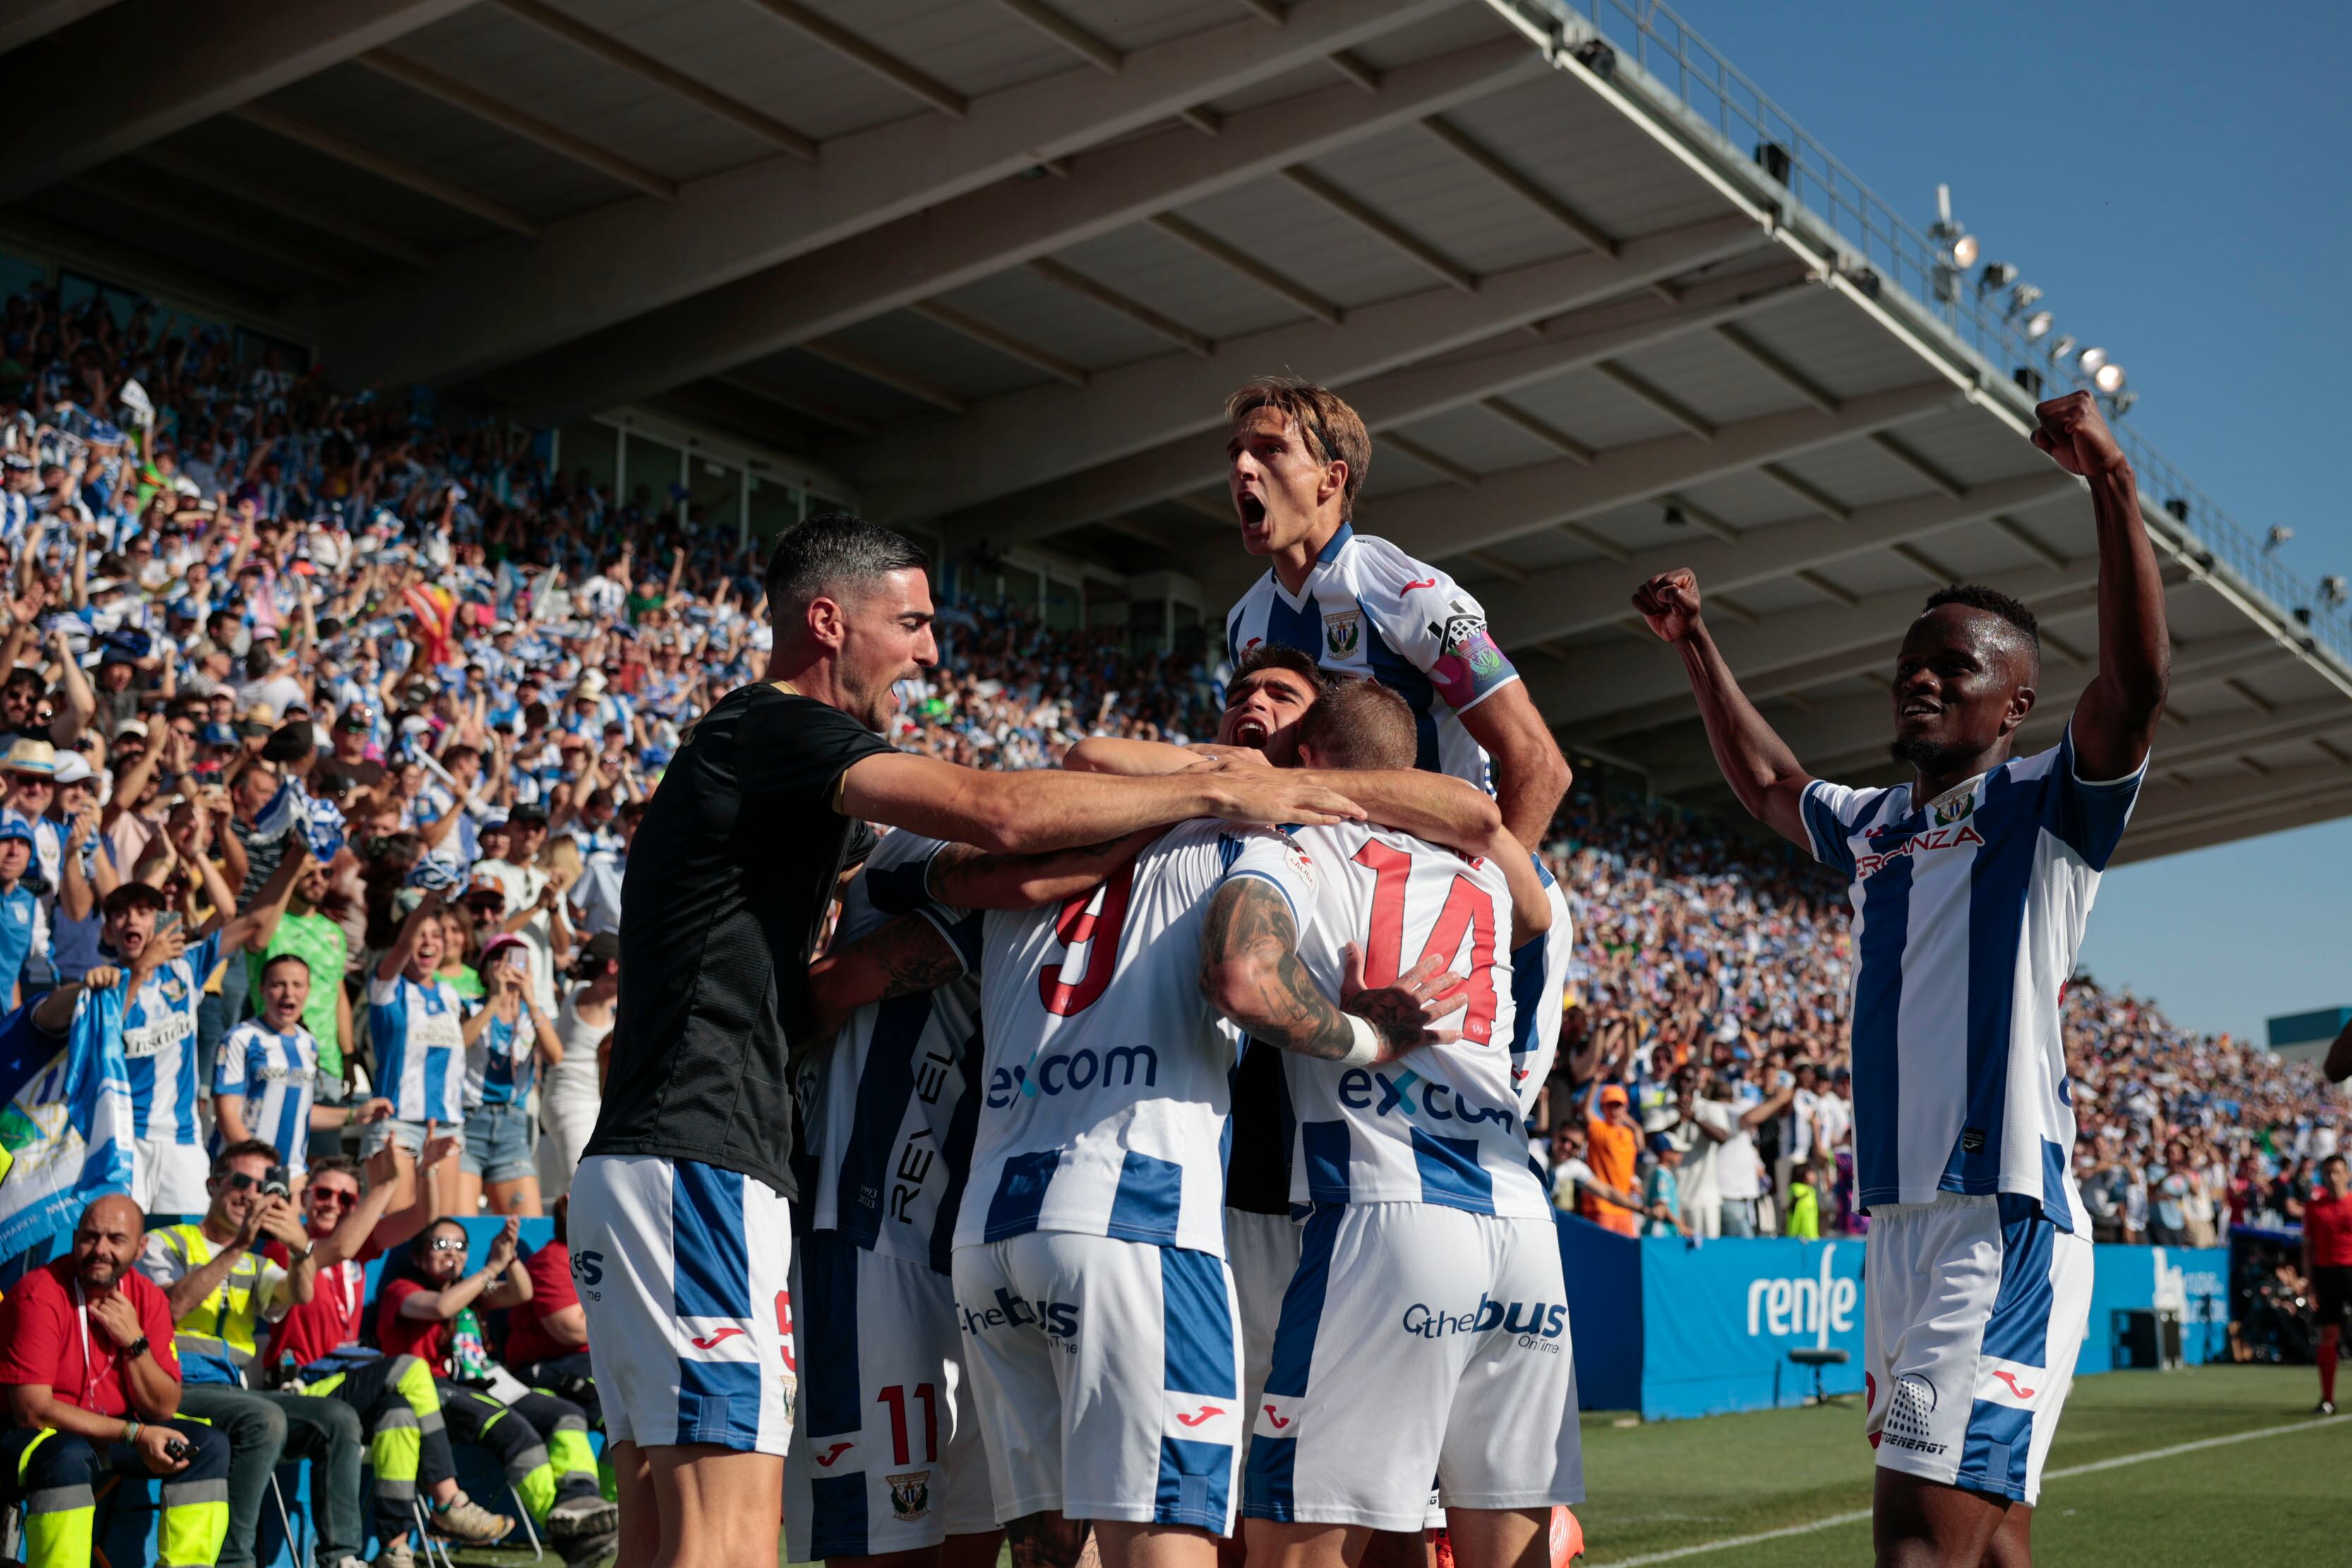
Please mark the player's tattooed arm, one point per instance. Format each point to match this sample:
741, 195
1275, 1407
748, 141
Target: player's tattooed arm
964, 877
1251, 972
908, 955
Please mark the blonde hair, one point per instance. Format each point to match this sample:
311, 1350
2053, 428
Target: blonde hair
561, 853
1331, 430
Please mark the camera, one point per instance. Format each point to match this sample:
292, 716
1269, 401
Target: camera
274, 1183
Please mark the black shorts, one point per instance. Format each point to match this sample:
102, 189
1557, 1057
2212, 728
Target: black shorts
2331, 1287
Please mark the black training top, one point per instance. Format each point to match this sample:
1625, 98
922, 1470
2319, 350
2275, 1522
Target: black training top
1257, 1163
729, 877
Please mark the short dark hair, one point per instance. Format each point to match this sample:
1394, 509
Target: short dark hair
1992, 602
1276, 656
277, 959
1360, 723
829, 551
337, 1164
249, 1148
1333, 432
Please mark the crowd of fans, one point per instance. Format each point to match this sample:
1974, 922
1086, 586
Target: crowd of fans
324, 732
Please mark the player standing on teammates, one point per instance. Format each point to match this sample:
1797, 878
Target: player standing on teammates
1296, 456
1430, 1250
680, 1238
1971, 886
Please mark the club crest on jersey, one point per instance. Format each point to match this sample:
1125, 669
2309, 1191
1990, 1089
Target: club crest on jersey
910, 1494
1341, 632
1952, 811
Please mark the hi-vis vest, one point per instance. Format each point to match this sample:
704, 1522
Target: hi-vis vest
220, 1328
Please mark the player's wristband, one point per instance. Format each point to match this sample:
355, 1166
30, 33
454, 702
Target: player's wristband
1367, 1047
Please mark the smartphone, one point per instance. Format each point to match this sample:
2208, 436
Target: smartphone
167, 921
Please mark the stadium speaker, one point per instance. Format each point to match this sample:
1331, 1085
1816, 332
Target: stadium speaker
2179, 507
2028, 378
1597, 58
1773, 158
1674, 518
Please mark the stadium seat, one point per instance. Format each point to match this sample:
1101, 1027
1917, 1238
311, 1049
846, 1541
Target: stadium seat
1817, 1357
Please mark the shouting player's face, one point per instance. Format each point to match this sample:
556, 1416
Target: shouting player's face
886, 638
1262, 711
1279, 490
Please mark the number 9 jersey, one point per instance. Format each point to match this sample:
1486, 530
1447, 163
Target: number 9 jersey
1443, 1124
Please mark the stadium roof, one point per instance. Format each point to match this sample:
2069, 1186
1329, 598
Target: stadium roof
1607, 309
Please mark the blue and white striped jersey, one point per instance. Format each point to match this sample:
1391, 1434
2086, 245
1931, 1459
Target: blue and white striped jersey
278, 1076
420, 1048
19, 913
1968, 913
503, 1061
889, 1121
1370, 610
158, 1043
1441, 1124
1104, 1106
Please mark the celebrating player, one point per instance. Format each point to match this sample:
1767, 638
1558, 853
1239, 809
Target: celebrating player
1971, 889
1425, 1214
680, 1237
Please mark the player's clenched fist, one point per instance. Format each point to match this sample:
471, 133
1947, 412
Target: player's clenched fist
2072, 431
1669, 602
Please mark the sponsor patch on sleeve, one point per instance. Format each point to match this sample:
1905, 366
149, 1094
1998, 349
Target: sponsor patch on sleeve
1469, 666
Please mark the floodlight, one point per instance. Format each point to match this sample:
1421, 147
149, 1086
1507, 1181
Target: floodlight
2061, 346
1996, 276
1964, 251
2280, 533
2332, 589
2121, 403
2038, 324
2022, 298
2089, 361
2108, 378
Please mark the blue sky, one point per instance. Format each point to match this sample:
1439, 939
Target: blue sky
2177, 178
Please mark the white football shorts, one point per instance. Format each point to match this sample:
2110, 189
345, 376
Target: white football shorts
1106, 1377
1974, 1314
1262, 1249
685, 1272
1418, 1340
168, 1177
887, 1455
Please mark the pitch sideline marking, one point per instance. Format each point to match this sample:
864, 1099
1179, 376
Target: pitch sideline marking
1858, 1515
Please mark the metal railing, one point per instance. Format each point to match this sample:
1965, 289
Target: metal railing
1884, 249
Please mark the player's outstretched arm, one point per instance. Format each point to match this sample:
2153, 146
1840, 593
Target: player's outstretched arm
1030, 812
1756, 762
1530, 775
1251, 972
1433, 806
2115, 719
968, 878
2339, 1057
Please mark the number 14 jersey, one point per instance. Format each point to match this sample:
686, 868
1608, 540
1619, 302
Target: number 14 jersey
1442, 1124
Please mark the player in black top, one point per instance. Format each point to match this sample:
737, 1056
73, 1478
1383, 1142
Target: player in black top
677, 1224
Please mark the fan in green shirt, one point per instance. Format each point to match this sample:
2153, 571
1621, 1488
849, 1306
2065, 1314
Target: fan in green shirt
319, 941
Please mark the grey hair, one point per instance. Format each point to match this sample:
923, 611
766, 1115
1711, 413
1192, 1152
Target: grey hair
829, 553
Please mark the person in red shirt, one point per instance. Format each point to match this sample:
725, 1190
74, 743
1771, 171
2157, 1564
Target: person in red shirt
92, 1386
2327, 1264
317, 1345
547, 1336
544, 1451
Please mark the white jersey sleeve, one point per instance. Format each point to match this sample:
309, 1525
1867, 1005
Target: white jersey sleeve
1435, 624
1442, 1124
886, 1113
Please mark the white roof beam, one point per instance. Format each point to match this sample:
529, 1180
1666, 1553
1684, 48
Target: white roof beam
2168, 812
518, 122
1067, 33
669, 78
1249, 266
269, 198
980, 234
1522, 500
1398, 397
1134, 309
1490, 165
38, 19
2264, 812
878, 61
496, 302
1025, 438
343, 150
1393, 234
1003, 342
168, 64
